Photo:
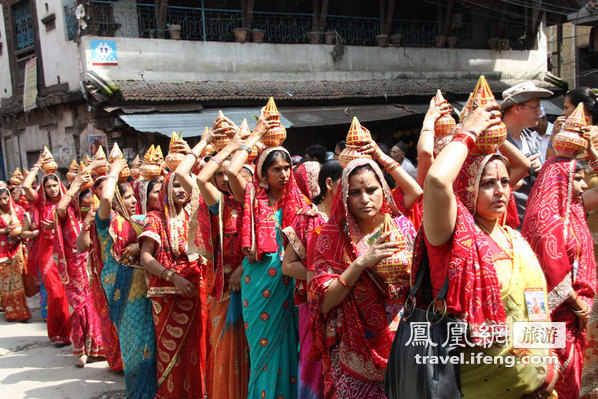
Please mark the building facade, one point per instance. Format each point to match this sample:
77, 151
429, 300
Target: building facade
133, 72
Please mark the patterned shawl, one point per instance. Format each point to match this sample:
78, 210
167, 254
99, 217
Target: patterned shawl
474, 290
306, 176
258, 233
359, 324
556, 228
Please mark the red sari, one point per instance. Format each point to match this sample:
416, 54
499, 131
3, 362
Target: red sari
354, 338
556, 228
12, 263
59, 326
72, 268
180, 322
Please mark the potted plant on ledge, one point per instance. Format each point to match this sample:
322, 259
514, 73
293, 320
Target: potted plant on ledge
246, 20
386, 13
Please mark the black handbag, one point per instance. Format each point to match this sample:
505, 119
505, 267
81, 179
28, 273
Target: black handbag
405, 378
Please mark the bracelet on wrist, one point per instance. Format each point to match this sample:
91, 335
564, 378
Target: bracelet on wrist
217, 161
344, 283
244, 147
86, 227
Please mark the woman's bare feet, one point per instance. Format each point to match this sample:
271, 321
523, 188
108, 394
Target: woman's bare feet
82, 361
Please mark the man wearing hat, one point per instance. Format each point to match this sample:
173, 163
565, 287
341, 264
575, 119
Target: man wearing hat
520, 113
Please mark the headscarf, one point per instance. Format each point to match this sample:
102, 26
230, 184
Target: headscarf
123, 229
306, 176
17, 214
259, 223
359, 323
46, 207
140, 190
556, 228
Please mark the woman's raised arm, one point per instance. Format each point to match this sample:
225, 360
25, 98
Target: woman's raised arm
440, 205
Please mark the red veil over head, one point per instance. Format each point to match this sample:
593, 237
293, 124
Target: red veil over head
258, 233
556, 228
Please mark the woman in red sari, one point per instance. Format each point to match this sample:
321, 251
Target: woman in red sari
555, 226
353, 309
228, 364
490, 269
12, 259
177, 291
45, 200
322, 189
72, 267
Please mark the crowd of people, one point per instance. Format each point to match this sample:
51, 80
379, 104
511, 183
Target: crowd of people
230, 270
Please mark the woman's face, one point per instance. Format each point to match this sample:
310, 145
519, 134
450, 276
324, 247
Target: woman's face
220, 177
278, 174
179, 195
152, 196
98, 189
130, 201
365, 195
245, 174
494, 191
16, 194
568, 108
52, 188
579, 184
4, 199
86, 201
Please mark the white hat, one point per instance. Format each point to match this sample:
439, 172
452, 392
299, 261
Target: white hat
521, 93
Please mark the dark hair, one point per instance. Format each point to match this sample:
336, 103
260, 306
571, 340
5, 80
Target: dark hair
3, 189
49, 177
273, 156
581, 165
365, 167
341, 145
316, 152
12, 188
586, 96
500, 158
331, 169
122, 188
384, 148
84, 194
150, 186
97, 182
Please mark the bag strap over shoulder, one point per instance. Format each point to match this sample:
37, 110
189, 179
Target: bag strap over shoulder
421, 272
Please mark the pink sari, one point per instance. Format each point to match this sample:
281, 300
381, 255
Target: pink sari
72, 267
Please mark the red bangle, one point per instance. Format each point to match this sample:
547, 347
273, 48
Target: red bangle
86, 227
344, 283
466, 138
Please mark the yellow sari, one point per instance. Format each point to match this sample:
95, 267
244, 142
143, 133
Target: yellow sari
511, 379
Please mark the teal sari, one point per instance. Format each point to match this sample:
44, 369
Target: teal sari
271, 325
130, 311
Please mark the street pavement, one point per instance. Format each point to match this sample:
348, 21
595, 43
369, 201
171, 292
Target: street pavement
31, 367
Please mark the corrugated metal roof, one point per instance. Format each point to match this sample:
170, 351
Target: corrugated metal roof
190, 124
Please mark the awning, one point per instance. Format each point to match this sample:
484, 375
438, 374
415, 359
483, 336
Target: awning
338, 115
192, 124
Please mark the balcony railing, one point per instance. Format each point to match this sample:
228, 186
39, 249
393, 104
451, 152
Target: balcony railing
110, 18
